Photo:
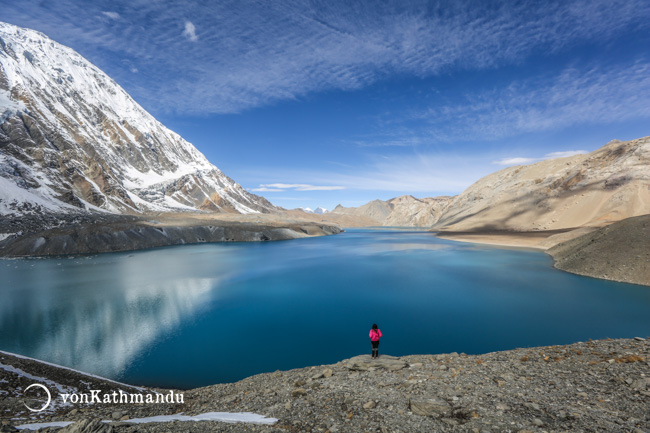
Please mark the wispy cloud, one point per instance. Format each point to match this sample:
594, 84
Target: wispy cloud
281, 187
408, 141
111, 15
260, 53
425, 174
552, 155
514, 161
266, 189
564, 154
190, 31
595, 96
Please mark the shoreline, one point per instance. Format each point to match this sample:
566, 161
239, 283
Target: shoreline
105, 233
597, 385
539, 240
514, 242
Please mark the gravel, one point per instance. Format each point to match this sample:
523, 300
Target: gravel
594, 386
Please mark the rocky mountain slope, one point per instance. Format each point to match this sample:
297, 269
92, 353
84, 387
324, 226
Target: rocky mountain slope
595, 189
619, 252
404, 211
594, 386
71, 139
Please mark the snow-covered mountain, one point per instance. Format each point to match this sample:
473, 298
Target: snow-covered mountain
71, 138
319, 210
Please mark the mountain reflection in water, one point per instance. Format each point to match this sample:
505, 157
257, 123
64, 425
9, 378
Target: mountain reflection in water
94, 316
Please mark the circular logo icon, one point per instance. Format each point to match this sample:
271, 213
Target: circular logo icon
47, 391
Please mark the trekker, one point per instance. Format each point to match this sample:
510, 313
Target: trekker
375, 335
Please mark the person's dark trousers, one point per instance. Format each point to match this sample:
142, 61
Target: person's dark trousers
375, 349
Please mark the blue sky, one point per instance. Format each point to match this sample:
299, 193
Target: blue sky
326, 102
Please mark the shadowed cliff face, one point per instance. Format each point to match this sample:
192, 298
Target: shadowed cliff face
71, 139
619, 252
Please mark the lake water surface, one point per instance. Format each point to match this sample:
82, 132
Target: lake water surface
201, 314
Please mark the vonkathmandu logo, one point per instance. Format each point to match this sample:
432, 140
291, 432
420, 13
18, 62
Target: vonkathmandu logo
47, 391
115, 397
121, 397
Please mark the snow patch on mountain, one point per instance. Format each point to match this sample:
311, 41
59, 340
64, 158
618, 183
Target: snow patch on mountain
319, 210
9, 107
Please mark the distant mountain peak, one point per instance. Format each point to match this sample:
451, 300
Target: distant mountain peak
319, 210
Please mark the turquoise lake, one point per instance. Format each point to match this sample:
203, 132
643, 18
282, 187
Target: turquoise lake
196, 315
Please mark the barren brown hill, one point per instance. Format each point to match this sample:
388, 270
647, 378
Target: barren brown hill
343, 220
595, 189
404, 211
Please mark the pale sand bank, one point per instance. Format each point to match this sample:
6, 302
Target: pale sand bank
541, 240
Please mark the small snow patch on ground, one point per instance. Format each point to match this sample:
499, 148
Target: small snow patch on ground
17, 371
243, 417
40, 425
72, 369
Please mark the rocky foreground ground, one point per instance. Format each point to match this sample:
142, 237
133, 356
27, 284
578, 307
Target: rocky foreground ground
594, 386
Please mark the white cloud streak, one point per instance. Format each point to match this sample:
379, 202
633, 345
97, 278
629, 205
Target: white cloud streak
552, 155
111, 15
564, 154
265, 189
514, 161
281, 187
424, 174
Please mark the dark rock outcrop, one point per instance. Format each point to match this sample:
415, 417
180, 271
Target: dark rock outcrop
618, 252
113, 233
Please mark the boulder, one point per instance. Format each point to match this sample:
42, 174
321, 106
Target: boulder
368, 363
434, 407
87, 426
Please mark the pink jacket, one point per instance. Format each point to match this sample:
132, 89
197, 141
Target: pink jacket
375, 335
